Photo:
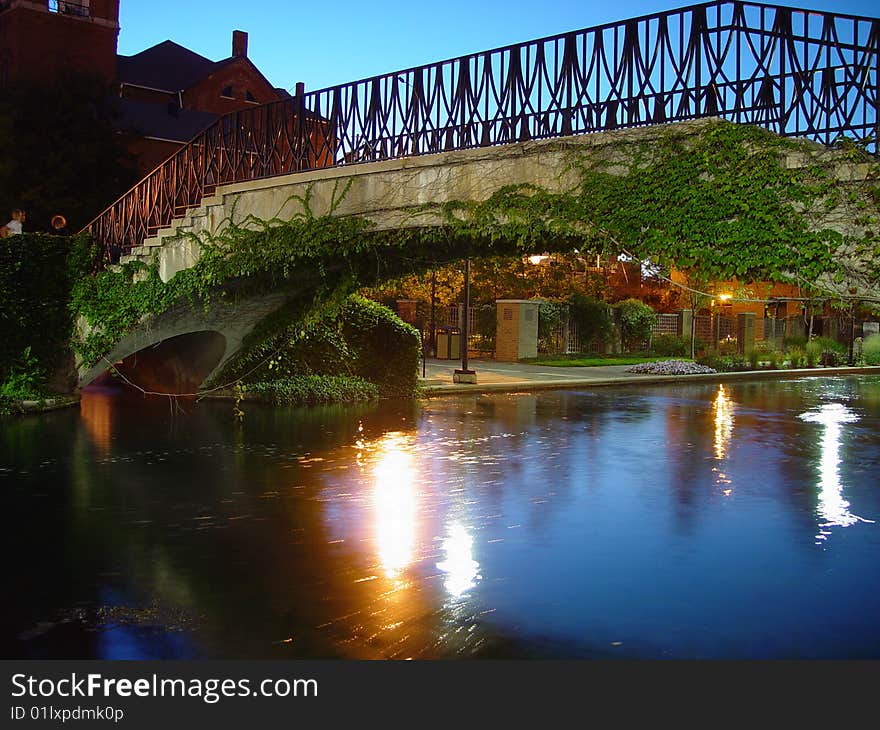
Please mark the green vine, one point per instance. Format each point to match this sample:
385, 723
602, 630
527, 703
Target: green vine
720, 202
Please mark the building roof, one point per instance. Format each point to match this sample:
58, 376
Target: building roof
166, 66
162, 121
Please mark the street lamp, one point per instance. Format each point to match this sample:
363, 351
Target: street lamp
723, 299
465, 375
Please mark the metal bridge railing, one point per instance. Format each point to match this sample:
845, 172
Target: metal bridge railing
796, 72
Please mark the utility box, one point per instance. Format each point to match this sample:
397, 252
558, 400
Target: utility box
745, 331
517, 331
449, 343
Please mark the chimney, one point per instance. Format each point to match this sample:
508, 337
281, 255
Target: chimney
239, 44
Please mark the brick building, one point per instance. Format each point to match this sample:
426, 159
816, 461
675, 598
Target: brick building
168, 93
39, 41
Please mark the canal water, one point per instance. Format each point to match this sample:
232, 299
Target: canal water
683, 521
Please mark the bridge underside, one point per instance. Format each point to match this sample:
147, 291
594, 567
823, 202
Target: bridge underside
177, 351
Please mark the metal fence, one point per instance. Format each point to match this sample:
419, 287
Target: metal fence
666, 324
796, 72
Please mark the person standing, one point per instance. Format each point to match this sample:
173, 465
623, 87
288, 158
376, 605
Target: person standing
15, 225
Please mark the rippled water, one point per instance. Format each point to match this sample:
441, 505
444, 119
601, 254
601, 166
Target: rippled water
734, 521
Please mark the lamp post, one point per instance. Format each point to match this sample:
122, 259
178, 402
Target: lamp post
852, 326
465, 375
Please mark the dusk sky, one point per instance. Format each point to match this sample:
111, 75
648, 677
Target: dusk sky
323, 44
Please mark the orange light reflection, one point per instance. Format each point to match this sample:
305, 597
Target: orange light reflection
395, 502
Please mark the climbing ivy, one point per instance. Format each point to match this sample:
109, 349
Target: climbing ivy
719, 201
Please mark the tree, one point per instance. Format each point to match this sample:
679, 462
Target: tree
60, 151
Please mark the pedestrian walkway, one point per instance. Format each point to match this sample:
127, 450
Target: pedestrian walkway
495, 376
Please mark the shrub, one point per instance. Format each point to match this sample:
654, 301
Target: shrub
828, 352
711, 359
754, 357
485, 326
773, 359
795, 342
35, 281
551, 316
811, 356
592, 318
25, 379
828, 344
314, 390
871, 350
363, 339
386, 349
636, 320
830, 359
671, 345
724, 363
795, 358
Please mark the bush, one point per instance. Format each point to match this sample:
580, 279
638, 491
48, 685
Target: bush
485, 326
797, 342
671, 346
35, 282
313, 390
711, 359
871, 350
753, 357
593, 320
828, 352
25, 379
551, 316
636, 320
724, 363
796, 358
362, 339
386, 349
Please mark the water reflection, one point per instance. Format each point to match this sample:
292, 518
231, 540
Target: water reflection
96, 410
462, 571
833, 508
496, 526
394, 501
722, 408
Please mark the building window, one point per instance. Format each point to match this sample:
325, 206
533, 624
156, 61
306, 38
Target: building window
227, 92
79, 8
249, 96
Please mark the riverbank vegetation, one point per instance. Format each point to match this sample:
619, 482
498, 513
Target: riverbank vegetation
359, 352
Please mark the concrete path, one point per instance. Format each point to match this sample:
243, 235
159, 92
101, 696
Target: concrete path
509, 376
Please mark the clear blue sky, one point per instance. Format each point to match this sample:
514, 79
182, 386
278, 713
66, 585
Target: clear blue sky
327, 43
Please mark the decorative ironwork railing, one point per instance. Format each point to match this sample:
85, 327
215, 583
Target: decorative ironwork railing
796, 72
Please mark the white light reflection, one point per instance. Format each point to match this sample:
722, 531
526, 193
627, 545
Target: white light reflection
723, 411
723, 408
394, 502
462, 571
833, 508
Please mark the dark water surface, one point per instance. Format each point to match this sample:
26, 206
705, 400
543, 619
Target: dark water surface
735, 521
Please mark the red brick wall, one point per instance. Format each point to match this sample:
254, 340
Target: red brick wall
152, 97
242, 76
151, 153
39, 45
